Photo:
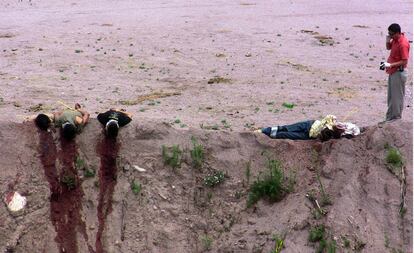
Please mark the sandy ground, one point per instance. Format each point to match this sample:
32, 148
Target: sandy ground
155, 59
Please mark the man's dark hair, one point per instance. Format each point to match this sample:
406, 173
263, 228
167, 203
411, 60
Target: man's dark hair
326, 134
337, 132
68, 131
42, 121
395, 28
112, 129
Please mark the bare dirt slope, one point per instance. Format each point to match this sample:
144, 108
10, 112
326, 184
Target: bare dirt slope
176, 212
186, 68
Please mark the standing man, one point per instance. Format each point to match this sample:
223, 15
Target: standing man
396, 69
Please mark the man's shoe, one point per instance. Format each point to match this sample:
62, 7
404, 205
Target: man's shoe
381, 124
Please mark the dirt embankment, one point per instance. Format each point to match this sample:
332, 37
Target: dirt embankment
81, 195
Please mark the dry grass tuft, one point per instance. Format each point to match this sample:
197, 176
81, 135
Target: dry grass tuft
152, 96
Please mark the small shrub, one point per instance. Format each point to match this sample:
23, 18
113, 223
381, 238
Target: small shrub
270, 184
206, 242
80, 164
317, 233
288, 105
346, 242
394, 162
197, 153
172, 156
279, 243
214, 179
89, 172
136, 187
225, 123
69, 181
394, 157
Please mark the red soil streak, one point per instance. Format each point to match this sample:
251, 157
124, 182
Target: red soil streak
65, 202
108, 151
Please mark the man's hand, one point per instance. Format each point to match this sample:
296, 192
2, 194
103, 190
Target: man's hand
387, 39
384, 65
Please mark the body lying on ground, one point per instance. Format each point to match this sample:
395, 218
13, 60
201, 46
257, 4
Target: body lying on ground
113, 119
324, 129
71, 121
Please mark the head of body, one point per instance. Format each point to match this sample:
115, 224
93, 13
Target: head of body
327, 134
394, 31
112, 128
42, 121
68, 131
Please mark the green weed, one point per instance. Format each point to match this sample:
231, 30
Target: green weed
172, 156
136, 187
206, 242
317, 233
394, 157
225, 123
325, 198
386, 241
197, 153
80, 164
279, 243
209, 127
268, 185
89, 172
214, 179
69, 181
288, 105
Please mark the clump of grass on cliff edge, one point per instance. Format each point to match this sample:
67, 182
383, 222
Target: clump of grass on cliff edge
318, 234
393, 159
197, 153
172, 156
270, 184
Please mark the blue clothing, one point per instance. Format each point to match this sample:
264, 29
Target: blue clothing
297, 131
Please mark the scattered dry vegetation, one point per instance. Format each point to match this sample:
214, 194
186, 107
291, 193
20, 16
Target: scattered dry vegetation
218, 79
152, 96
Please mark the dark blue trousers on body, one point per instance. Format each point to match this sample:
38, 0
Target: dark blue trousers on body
296, 131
